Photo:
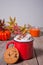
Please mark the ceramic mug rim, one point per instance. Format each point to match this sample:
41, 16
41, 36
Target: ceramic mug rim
23, 40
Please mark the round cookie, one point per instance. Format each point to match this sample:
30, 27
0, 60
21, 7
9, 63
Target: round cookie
11, 55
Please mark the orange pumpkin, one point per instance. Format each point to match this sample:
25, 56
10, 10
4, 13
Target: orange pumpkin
5, 35
8, 33
0, 34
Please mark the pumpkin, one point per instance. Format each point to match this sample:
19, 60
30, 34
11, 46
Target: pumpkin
5, 35
0, 34
8, 33
11, 55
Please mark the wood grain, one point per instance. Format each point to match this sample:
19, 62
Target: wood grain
38, 45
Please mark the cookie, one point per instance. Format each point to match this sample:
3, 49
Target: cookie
11, 55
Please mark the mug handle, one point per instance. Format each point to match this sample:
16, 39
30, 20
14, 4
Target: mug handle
11, 42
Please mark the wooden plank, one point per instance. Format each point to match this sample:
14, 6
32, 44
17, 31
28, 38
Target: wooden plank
38, 45
32, 61
2, 49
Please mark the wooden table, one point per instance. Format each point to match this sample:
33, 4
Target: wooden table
37, 57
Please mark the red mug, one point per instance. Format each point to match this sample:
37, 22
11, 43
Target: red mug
25, 48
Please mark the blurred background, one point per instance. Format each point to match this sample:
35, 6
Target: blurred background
25, 11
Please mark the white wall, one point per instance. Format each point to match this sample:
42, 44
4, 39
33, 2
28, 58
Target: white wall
26, 11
